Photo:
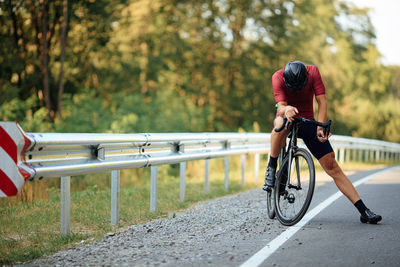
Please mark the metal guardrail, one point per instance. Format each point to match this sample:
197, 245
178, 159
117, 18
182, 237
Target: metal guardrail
364, 150
55, 155
30, 156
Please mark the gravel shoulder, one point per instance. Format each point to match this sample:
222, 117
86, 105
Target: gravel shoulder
209, 233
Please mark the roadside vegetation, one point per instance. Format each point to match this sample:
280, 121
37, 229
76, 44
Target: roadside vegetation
131, 66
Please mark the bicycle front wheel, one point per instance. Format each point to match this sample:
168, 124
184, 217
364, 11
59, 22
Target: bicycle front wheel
293, 196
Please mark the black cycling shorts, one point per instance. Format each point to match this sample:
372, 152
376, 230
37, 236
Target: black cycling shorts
308, 132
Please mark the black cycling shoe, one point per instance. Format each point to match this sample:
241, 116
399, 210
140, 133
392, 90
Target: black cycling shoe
269, 178
370, 217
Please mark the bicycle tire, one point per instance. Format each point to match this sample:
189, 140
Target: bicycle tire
270, 192
270, 203
287, 197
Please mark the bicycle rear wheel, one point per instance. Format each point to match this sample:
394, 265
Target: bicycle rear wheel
270, 203
293, 197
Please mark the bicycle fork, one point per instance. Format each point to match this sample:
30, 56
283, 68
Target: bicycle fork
293, 148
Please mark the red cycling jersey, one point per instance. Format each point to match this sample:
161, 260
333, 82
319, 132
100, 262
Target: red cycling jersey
303, 100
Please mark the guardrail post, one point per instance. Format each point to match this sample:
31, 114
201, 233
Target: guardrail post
153, 188
182, 171
65, 205
206, 175
366, 155
341, 158
347, 154
336, 154
377, 156
226, 168
256, 167
360, 159
243, 162
115, 189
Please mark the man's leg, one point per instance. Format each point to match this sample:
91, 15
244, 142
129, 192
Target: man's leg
330, 165
277, 142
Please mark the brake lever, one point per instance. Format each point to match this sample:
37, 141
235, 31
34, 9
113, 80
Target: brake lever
287, 125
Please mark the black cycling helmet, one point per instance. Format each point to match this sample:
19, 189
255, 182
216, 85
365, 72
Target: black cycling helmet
295, 75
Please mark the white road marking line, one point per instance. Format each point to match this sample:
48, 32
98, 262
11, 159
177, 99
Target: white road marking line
272, 246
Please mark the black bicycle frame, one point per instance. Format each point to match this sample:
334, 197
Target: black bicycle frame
292, 148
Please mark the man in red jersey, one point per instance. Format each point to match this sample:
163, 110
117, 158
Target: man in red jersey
294, 89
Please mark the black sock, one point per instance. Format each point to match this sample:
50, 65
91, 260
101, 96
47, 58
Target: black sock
360, 206
273, 162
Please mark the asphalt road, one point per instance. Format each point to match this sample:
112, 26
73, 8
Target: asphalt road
335, 237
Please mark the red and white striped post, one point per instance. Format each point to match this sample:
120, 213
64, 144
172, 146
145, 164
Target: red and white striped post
13, 168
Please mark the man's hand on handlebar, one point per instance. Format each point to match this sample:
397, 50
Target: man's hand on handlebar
322, 137
290, 112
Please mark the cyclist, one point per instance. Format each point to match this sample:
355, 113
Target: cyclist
294, 89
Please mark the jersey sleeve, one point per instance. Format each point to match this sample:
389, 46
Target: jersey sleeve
278, 88
318, 84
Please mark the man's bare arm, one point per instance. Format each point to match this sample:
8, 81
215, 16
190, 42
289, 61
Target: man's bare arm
322, 114
322, 108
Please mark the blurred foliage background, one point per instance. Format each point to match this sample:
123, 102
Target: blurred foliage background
187, 66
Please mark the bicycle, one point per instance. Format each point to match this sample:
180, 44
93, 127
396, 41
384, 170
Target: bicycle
291, 196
